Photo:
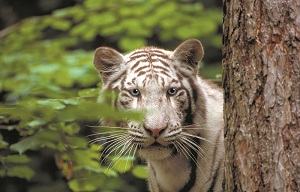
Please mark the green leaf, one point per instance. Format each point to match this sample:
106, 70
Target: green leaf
122, 164
89, 92
150, 21
214, 14
102, 19
71, 129
111, 30
71, 101
76, 142
168, 23
94, 4
61, 13
140, 171
21, 171
25, 144
186, 32
79, 29
87, 184
85, 158
44, 138
61, 24
36, 123
131, 43
90, 34
166, 9
15, 159
192, 8
56, 104
3, 144
64, 77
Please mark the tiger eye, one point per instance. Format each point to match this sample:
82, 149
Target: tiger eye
135, 92
171, 91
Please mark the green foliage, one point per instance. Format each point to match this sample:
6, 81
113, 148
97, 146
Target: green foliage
48, 90
140, 172
15, 166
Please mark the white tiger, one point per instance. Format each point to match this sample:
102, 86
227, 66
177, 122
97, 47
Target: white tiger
181, 136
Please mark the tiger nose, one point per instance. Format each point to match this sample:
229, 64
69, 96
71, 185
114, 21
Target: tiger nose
155, 132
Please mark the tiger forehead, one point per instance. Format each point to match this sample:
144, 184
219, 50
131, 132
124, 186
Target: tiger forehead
151, 80
150, 66
149, 52
149, 60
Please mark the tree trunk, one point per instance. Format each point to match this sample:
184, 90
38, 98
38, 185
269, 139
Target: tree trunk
261, 78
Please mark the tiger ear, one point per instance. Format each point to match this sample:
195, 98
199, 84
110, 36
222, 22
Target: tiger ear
189, 52
107, 60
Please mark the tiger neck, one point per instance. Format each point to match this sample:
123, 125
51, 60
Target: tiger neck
173, 174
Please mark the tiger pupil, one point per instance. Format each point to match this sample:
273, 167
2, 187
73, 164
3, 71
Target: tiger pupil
135, 92
172, 91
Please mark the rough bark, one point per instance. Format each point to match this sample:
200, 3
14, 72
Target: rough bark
261, 78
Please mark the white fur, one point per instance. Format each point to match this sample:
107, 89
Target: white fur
162, 139
173, 173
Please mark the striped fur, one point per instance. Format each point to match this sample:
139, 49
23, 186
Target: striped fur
181, 137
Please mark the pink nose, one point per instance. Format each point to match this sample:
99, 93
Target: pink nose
156, 131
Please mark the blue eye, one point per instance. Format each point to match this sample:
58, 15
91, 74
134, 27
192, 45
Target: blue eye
135, 92
171, 91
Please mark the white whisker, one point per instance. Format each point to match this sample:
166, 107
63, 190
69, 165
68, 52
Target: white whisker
180, 148
134, 151
197, 127
121, 153
113, 146
106, 133
185, 151
196, 136
195, 147
108, 127
194, 159
103, 138
129, 151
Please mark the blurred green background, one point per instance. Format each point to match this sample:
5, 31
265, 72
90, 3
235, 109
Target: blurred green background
48, 85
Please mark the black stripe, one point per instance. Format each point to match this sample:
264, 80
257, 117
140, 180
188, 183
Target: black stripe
214, 179
149, 51
166, 74
137, 63
189, 119
193, 174
154, 173
140, 68
115, 79
195, 94
216, 148
163, 62
142, 73
160, 67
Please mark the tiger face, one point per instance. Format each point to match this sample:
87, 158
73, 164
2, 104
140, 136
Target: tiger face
161, 83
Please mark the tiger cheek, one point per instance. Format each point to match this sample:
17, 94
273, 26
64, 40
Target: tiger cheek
181, 102
125, 101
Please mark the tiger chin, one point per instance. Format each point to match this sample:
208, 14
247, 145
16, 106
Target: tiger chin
181, 135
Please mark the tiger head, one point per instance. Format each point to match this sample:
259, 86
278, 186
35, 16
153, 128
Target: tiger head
162, 83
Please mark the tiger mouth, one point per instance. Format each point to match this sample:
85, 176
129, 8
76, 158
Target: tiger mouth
158, 145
